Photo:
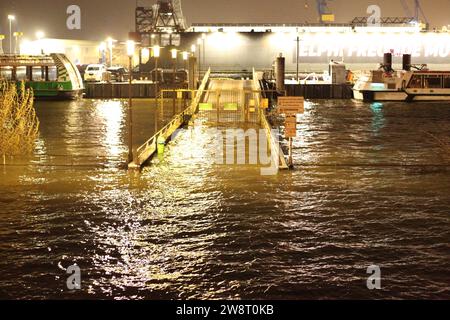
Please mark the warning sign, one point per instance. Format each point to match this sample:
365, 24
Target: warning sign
291, 105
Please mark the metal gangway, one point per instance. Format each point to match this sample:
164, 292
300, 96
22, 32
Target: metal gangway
217, 102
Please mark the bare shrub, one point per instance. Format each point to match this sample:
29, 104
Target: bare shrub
19, 124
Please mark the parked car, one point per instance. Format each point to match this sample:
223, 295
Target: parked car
118, 74
95, 72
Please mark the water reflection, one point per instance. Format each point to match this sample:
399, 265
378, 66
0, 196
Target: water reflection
186, 228
111, 114
378, 120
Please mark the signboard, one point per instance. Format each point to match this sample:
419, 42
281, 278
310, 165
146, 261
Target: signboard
291, 105
290, 127
290, 133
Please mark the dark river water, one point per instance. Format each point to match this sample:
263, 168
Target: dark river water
371, 187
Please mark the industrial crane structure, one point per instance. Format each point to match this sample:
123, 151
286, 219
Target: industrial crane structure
418, 11
164, 16
326, 15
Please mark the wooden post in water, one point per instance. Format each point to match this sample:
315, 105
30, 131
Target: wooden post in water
291, 159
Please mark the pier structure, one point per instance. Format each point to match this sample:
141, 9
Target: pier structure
217, 102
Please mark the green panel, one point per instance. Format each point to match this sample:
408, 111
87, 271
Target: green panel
205, 106
48, 89
230, 107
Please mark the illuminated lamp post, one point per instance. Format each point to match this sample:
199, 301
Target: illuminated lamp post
11, 18
110, 42
130, 53
204, 48
156, 54
2, 37
40, 35
174, 53
199, 43
17, 36
185, 58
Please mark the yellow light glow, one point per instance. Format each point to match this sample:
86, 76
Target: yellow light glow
130, 48
110, 42
11, 17
174, 53
185, 55
193, 48
156, 51
145, 55
40, 34
102, 47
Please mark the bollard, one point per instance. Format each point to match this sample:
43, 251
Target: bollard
161, 144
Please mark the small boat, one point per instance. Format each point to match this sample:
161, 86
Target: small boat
408, 85
51, 76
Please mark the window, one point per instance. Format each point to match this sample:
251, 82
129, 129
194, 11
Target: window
416, 82
52, 73
433, 82
21, 73
6, 73
37, 74
447, 82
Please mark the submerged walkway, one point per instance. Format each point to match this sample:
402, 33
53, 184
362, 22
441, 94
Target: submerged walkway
223, 102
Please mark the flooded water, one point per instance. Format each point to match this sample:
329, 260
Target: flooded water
371, 187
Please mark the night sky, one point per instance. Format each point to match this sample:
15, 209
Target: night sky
101, 18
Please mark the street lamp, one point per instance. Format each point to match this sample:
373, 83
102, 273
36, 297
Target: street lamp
102, 49
156, 54
204, 48
297, 40
145, 53
199, 43
11, 18
2, 37
185, 55
130, 53
17, 36
40, 35
174, 53
110, 47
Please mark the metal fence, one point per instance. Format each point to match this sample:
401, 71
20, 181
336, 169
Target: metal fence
217, 107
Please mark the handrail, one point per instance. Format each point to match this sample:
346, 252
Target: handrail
145, 151
274, 145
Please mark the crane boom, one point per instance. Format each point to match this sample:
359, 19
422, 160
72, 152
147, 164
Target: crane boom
418, 11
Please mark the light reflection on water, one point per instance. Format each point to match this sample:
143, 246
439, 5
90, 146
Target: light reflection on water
188, 228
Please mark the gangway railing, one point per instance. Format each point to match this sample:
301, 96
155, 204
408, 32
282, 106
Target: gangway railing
146, 151
274, 143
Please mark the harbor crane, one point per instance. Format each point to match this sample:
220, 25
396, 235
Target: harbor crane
325, 14
418, 11
165, 15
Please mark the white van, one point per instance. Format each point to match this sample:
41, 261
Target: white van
95, 72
